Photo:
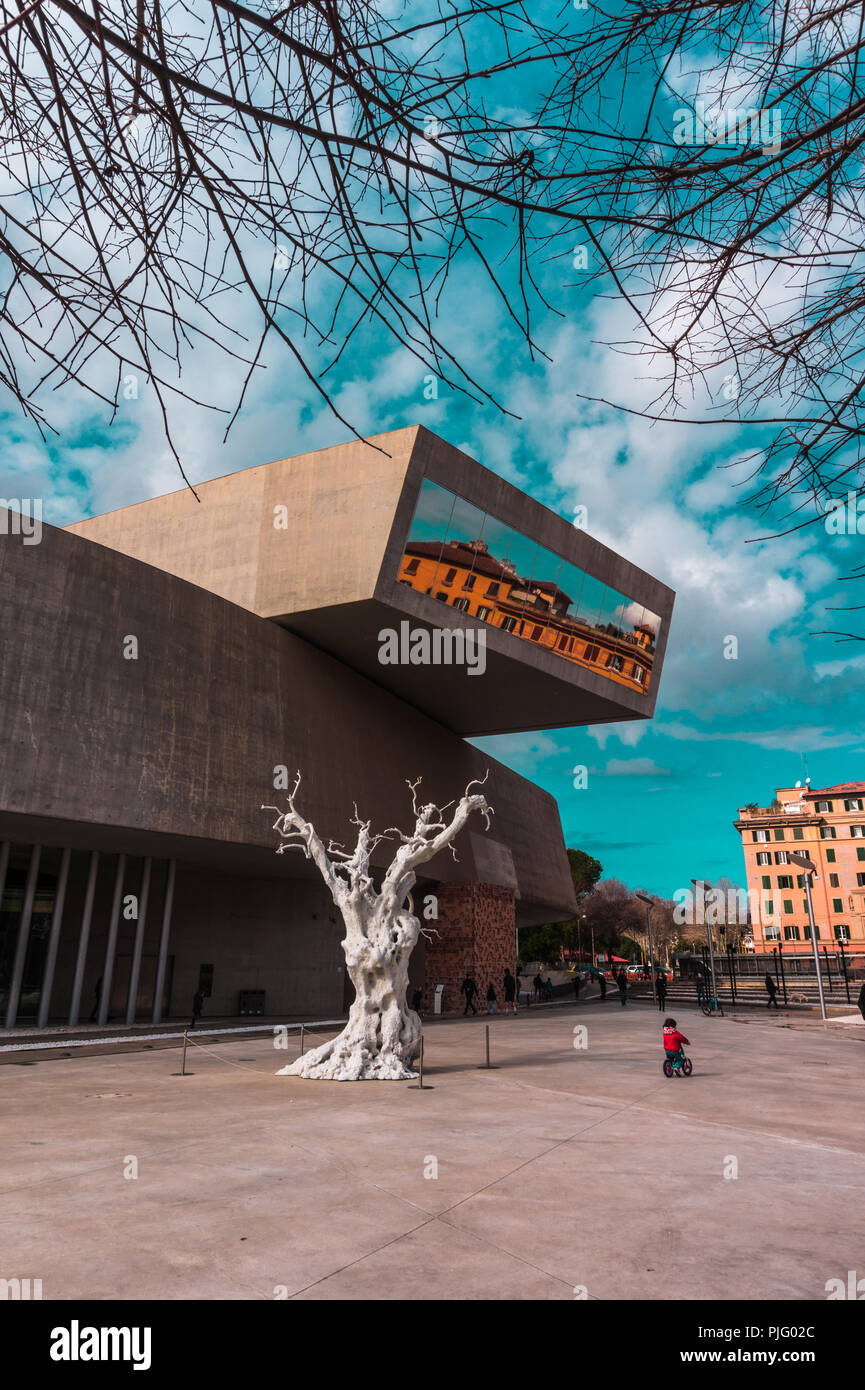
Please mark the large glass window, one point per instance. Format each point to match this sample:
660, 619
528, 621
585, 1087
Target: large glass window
466, 558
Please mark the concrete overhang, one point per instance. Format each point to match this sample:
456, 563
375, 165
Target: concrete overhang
322, 543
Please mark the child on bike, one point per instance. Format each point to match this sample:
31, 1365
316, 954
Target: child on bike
673, 1040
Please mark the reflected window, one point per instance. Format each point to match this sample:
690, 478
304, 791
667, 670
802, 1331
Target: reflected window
464, 557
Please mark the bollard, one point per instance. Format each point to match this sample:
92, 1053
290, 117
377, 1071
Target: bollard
185, 1043
302, 1038
487, 1065
421, 1085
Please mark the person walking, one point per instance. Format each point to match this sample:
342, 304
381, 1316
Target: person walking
548, 989
510, 992
577, 983
661, 986
701, 986
492, 1005
538, 984
622, 981
416, 1000
469, 989
771, 991
603, 984
197, 1005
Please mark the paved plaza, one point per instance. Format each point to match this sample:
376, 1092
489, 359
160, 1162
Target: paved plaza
567, 1171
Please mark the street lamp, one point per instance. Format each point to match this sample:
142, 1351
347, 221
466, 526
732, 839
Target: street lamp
810, 871
701, 883
644, 898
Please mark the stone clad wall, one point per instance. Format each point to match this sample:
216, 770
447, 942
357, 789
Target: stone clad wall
477, 926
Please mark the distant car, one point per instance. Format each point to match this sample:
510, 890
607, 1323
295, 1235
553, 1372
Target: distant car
635, 972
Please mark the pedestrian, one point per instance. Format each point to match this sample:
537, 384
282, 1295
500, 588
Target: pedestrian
603, 983
510, 992
97, 995
661, 986
548, 988
770, 990
623, 987
577, 983
416, 1000
538, 984
701, 987
469, 989
861, 1001
197, 1006
492, 1006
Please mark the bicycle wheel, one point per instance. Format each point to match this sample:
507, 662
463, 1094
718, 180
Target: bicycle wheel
706, 1007
668, 1068
687, 1066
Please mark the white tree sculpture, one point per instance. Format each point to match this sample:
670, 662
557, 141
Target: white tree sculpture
382, 1036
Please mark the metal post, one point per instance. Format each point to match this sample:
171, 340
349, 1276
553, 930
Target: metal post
4, 865
828, 969
111, 945
163, 942
844, 968
302, 1038
814, 944
776, 953
23, 938
135, 968
783, 976
81, 959
651, 955
487, 1031
53, 940
185, 1043
732, 962
421, 1085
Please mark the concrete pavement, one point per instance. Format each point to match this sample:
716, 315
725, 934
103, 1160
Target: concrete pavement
568, 1172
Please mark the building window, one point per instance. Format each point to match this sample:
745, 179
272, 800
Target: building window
800, 880
508, 624
492, 590
772, 932
853, 805
759, 836
860, 880
590, 654
791, 933
781, 856
830, 856
824, 806
536, 633
798, 832
461, 605
615, 662
827, 832
484, 614
785, 880
470, 582
767, 882
788, 906
833, 881
412, 566
779, 832
860, 854
808, 933
450, 577
443, 595
769, 908
639, 674
842, 932
562, 642
764, 857
857, 832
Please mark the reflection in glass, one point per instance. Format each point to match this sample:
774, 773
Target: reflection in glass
466, 558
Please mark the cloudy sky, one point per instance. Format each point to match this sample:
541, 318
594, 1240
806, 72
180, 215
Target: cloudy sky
661, 796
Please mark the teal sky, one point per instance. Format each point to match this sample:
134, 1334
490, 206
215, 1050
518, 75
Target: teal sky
661, 795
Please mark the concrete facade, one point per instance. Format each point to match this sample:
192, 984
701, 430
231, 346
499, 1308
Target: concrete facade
165, 673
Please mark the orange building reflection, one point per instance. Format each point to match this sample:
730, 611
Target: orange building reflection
467, 577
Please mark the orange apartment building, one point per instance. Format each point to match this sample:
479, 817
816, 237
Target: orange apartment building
463, 574
829, 826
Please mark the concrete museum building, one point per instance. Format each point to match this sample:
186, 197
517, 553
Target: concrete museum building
167, 666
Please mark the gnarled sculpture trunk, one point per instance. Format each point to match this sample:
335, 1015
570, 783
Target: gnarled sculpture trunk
382, 1036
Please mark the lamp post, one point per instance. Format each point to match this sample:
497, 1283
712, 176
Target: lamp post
644, 898
810, 872
701, 883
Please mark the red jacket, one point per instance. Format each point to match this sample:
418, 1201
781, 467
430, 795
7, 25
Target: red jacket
673, 1039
